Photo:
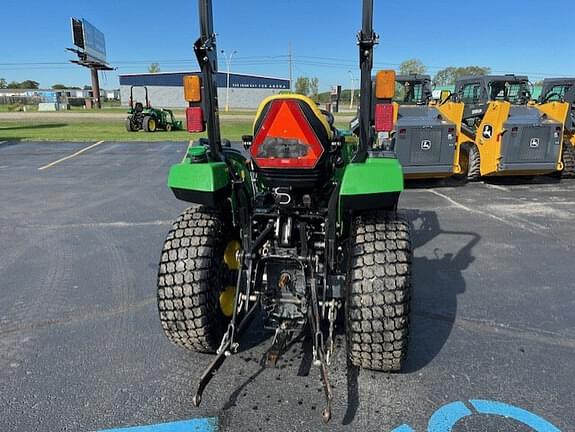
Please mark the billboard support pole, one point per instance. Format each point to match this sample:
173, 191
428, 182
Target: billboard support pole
96, 88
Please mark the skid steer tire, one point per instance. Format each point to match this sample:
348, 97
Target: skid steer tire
474, 171
568, 159
191, 278
378, 295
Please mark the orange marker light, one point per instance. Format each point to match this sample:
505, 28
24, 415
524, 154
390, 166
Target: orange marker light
385, 84
192, 88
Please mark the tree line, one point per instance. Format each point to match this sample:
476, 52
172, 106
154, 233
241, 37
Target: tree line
446, 76
35, 85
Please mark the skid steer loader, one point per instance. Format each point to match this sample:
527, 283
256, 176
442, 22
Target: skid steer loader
301, 231
558, 96
502, 133
424, 133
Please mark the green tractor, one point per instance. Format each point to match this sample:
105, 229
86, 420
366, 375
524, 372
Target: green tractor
301, 229
144, 117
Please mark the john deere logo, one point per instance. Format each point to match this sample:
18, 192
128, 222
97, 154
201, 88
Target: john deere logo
534, 143
425, 145
487, 131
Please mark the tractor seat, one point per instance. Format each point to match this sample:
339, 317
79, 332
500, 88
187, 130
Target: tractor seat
139, 107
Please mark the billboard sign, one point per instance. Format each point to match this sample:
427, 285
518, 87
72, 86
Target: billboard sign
89, 39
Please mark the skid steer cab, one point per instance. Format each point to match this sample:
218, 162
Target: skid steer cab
143, 117
558, 100
424, 132
503, 133
300, 227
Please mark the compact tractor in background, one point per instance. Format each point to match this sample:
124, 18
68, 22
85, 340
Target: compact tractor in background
144, 117
558, 93
502, 133
303, 231
423, 132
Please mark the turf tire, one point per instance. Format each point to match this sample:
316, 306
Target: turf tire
568, 159
474, 171
378, 295
190, 279
129, 125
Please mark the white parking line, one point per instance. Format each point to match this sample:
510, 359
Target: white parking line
71, 156
496, 187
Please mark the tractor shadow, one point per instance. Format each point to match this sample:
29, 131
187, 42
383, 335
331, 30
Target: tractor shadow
437, 282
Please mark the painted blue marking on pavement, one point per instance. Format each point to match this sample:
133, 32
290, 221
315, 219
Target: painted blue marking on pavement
527, 418
403, 428
195, 425
445, 417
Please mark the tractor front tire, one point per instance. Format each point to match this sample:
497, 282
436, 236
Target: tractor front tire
191, 278
168, 127
150, 124
377, 303
568, 159
474, 164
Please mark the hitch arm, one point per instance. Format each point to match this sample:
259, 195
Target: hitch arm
224, 352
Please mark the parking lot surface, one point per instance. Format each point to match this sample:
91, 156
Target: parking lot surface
81, 346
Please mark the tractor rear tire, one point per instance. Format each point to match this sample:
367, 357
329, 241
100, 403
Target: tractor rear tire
568, 159
150, 124
129, 125
191, 278
377, 303
474, 161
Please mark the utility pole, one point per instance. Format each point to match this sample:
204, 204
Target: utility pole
228, 62
290, 67
352, 89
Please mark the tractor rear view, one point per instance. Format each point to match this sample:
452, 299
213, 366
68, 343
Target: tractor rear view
558, 95
303, 230
504, 134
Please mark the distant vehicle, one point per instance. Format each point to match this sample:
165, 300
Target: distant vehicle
144, 117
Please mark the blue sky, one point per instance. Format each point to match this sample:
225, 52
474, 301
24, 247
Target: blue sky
507, 35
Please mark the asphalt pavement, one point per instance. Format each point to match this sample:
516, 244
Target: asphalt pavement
81, 347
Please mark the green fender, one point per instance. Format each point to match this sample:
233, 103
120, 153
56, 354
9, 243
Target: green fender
374, 184
203, 182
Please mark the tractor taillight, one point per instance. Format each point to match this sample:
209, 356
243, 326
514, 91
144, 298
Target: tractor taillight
451, 134
193, 88
286, 139
384, 117
385, 84
195, 119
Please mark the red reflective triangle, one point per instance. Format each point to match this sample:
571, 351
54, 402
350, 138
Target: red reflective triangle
285, 119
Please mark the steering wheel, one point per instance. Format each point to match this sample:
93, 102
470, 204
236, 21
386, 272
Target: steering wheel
329, 116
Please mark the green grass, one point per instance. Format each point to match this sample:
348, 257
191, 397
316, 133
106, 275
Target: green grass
95, 129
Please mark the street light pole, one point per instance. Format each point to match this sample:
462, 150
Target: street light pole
228, 62
352, 89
